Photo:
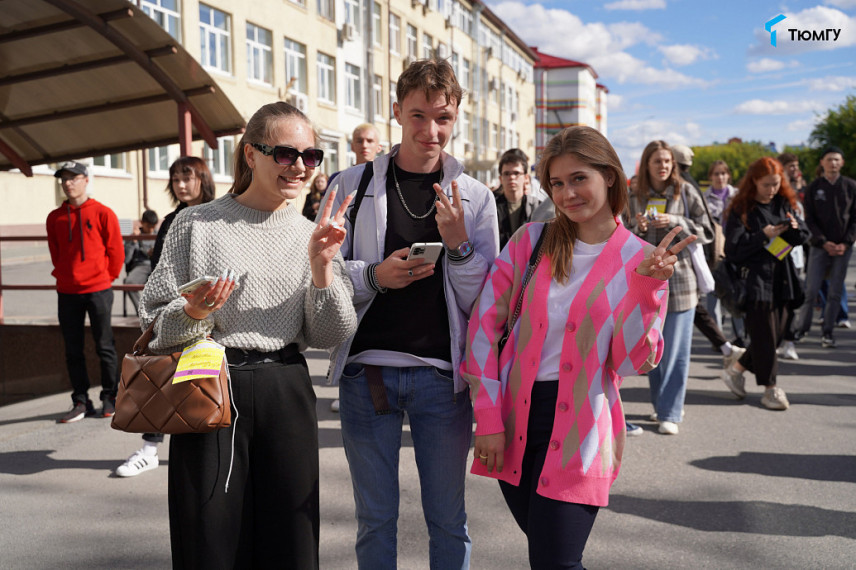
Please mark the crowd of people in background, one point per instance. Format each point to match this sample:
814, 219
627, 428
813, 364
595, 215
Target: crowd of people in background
533, 283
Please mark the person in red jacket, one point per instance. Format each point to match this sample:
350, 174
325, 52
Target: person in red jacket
87, 254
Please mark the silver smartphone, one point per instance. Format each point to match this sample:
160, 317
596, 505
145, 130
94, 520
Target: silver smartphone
191, 286
428, 252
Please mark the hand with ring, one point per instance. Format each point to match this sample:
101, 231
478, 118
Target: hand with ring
397, 272
489, 449
206, 299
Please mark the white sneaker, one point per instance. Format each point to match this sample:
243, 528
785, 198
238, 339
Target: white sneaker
668, 428
774, 398
138, 463
845, 324
653, 417
334, 405
736, 353
735, 381
788, 351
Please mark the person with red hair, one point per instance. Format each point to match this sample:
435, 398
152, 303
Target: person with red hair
761, 229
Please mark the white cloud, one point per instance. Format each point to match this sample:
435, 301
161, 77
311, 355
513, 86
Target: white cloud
597, 44
762, 107
685, 54
832, 83
801, 125
846, 4
818, 18
765, 64
630, 141
636, 5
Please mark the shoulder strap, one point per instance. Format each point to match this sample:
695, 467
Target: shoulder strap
365, 180
534, 258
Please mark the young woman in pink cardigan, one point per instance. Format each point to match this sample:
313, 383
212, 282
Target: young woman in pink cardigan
549, 419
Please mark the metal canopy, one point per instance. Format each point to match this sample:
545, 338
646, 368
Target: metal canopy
98, 77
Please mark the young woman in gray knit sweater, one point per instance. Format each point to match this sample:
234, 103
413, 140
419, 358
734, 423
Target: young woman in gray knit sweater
247, 496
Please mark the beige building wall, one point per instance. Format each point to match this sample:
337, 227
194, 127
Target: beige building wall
492, 63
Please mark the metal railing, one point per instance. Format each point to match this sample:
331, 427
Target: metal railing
40, 287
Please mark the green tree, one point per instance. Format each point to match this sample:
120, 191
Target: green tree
838, 128
737, 155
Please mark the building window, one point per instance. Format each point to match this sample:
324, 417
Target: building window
159, 160
394, 34
353, 87
412, 48
327, 9
377, 36
393, 97
494, 137
485, 133
259, 54
326, 78
166, 13
220, 160
110, 162
377, 91
352, 14
299, 2
466, 79
215, 33
295, 66
466, 126
330, 164
427, 46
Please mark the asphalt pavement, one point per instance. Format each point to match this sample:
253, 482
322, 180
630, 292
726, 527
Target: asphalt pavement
739, 487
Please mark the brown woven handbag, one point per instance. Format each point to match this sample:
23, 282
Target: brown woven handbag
149, 402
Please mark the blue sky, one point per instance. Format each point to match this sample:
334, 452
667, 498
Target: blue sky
695, 72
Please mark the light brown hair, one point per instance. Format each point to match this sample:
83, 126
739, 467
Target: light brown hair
589, 146
644, 186
429, 76
260, 129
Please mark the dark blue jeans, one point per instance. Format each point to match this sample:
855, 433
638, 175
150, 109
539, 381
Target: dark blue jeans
72, 311
557, 531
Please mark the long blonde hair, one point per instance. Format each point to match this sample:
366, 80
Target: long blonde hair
590, 147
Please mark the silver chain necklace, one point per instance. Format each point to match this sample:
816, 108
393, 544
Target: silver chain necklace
403, 203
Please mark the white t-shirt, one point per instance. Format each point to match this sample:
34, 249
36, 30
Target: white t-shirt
559, 305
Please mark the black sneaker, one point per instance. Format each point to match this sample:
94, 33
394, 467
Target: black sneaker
78, 411
108, 407
827, 341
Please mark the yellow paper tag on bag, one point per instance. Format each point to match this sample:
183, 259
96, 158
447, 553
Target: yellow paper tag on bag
779, 248
202, 359
658, 204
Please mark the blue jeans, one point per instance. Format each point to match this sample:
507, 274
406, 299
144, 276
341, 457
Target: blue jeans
668, 382
843, 315
441, 428
819, 263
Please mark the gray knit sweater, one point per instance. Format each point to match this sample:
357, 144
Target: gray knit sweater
275, 302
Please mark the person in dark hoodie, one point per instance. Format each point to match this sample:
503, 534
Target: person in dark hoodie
87, 254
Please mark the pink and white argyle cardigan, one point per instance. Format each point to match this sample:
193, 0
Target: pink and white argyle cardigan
613, 329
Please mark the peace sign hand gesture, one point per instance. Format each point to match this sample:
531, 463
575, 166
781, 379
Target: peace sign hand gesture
660, 264
450, 216
326, 241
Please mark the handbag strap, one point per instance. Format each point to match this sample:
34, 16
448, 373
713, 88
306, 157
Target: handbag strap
142, 344
534, 259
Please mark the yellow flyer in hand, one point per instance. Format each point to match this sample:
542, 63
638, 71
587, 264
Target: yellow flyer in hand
658, 204
202, 359
779, 248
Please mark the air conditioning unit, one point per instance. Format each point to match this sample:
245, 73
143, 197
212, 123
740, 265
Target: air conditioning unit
408, 61
488, 51
442, 51
513, 116
349, 32
493, 85
449, 23
468, 147
521, 75
415, 4
299, 100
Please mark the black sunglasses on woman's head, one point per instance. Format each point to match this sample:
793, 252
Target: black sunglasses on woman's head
287, 155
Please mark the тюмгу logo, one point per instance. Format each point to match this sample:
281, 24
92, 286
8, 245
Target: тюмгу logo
769, 27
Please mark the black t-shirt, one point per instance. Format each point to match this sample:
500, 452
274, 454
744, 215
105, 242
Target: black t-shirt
412, 320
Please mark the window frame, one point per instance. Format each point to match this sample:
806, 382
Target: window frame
259, 55
222, 58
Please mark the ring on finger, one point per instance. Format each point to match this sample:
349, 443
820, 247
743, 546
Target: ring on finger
208, 303
482, 456
410, 273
